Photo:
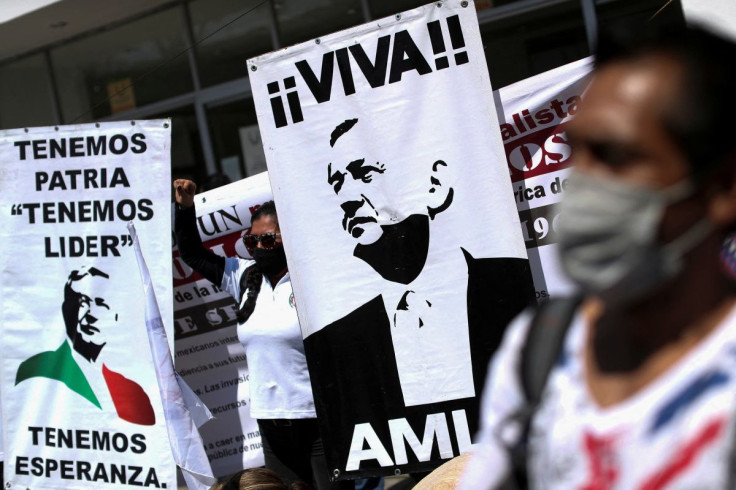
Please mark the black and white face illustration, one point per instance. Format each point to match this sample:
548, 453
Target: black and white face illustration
371, 187
356, 178
88, 315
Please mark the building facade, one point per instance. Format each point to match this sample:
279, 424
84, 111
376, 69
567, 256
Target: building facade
71, 62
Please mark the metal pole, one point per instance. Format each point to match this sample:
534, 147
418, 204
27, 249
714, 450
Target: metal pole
275, 32
199, 109
366, 10
590, 18
55, 103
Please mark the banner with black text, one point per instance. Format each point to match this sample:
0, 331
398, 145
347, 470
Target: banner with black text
81, 406
534, 112
400, 228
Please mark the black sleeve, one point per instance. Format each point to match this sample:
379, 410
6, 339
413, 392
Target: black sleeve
210, 265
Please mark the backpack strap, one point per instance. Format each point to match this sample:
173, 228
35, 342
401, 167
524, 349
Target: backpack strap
541, 351
543, 345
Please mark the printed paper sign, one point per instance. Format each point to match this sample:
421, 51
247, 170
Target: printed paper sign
535, 112
250, 142
208, 354
79, 393
400, 227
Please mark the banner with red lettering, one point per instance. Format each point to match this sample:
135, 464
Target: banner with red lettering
80, 399
208, 354
400, 227
535, 112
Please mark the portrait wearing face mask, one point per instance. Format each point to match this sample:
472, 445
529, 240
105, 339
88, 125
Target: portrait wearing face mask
607, 233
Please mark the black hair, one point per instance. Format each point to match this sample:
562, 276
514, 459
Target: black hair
252, 278
268, 208
701, 121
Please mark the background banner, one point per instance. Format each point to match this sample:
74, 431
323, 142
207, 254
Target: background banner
208, 354
79, 394
535, 112
400, 228
717, 15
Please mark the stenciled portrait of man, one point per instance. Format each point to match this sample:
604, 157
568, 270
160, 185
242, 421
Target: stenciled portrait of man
89, 319
424, 341
400, 228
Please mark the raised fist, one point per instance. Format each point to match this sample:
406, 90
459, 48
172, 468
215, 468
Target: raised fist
184, 190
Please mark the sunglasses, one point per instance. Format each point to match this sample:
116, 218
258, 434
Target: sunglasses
267, 240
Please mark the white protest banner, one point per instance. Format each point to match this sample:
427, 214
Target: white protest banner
208, 354
400, 228
716, 15
535, 111
80, 400
183, 410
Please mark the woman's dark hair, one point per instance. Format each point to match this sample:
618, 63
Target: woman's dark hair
268, 208
250, 281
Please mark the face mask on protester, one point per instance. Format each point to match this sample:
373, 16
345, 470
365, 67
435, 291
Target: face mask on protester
270, 260
607, 233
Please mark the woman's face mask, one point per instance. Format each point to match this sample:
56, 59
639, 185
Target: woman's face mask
607, 232
270, 261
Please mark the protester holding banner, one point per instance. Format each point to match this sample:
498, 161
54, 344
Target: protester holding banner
642, 391
268, 328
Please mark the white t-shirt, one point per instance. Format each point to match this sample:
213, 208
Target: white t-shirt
279, 380
676, 433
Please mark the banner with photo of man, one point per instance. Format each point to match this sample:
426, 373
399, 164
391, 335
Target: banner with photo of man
81, 404
534, 112
208, 354
400, 227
